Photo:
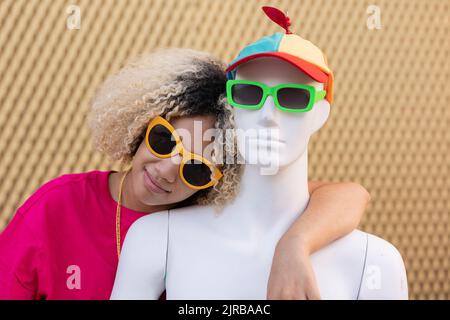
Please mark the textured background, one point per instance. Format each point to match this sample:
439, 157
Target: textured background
389, 127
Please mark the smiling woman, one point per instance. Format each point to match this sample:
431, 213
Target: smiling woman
64, 241
182, 86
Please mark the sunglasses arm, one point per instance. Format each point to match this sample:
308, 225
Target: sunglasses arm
320, 95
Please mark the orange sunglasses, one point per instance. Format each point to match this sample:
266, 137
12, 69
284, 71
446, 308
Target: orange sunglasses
164, 142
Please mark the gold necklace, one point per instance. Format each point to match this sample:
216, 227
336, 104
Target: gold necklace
119, 204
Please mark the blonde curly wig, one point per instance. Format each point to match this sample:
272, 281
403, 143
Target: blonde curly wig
170, 83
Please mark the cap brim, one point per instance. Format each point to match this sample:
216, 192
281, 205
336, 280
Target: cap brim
311, 70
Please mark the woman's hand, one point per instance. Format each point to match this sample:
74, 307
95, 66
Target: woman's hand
334, 210
292, 276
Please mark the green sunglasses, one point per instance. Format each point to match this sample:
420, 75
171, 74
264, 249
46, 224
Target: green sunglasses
249, 94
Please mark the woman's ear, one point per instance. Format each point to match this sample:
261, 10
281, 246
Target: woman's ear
321, 112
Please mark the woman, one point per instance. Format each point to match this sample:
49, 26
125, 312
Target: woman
64, 241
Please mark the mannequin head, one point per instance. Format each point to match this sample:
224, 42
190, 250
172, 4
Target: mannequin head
273, 136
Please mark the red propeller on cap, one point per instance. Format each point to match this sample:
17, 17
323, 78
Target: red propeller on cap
278, 16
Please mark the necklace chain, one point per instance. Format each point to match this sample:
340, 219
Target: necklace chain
119, 204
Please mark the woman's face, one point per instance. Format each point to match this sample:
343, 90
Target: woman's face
157, 181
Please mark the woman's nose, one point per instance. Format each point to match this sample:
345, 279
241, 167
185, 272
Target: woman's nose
168, 168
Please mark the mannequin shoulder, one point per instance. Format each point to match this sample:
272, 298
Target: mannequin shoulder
141, 270
151, 230
144, 247
193, 209
384, 271
191, 214
385, 255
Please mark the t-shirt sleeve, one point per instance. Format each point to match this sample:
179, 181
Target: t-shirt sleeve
20, 255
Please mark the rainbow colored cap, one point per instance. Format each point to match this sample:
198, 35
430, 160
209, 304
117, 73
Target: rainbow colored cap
289, 47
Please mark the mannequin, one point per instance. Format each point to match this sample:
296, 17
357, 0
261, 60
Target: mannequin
194, 253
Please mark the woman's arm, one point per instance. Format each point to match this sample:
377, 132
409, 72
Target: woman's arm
21, 255
334, 210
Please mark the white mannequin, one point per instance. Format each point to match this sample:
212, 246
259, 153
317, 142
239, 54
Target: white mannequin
194, 253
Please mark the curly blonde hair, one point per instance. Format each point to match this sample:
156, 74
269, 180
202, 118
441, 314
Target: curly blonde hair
170, 83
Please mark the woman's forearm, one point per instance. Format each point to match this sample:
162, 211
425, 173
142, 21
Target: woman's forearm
334, 210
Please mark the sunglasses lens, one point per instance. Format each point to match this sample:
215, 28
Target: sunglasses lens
196, 173
246, 94
161, 140
293, 98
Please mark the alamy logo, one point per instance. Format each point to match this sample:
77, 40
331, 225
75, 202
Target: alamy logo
74, 280
373, 281
73, 21
374, 19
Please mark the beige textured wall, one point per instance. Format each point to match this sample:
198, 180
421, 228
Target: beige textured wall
389, 127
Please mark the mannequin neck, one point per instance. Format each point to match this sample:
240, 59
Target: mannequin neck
272, 201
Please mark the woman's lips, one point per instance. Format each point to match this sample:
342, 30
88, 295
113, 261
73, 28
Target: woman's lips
151, 184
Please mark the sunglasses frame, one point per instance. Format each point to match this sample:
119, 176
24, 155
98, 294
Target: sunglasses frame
186, 155
314, 94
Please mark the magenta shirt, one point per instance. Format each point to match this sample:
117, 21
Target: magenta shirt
61, 242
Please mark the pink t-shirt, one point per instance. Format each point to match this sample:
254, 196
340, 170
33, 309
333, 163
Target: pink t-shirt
61, 242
